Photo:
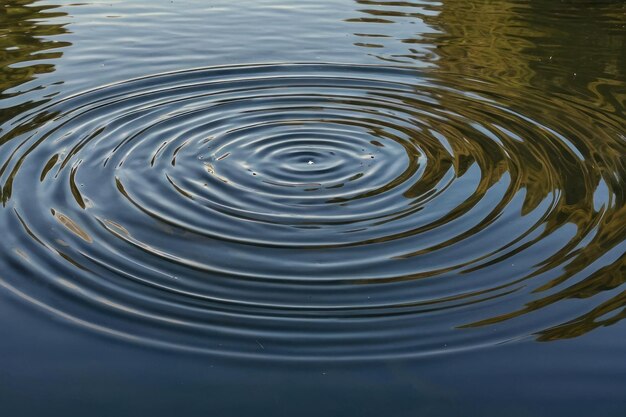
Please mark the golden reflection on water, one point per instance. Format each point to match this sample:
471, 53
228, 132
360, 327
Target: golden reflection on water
512, 52
27, 43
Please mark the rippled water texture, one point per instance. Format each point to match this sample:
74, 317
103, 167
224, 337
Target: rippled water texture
365, 210
444, 177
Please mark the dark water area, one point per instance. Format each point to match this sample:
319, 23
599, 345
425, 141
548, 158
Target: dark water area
272, 208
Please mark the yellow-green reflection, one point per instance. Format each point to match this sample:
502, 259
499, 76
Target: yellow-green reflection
549, 63
27, 45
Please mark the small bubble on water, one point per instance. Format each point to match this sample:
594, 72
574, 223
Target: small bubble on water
310, 162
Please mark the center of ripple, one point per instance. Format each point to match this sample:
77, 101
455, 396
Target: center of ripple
285, 167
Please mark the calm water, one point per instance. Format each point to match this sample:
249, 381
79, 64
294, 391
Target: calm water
274, 208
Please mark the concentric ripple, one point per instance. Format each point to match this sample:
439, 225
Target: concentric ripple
312, 210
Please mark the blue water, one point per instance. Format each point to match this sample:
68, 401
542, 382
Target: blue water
337, 208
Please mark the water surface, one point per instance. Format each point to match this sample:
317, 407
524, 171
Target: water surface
331, 207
